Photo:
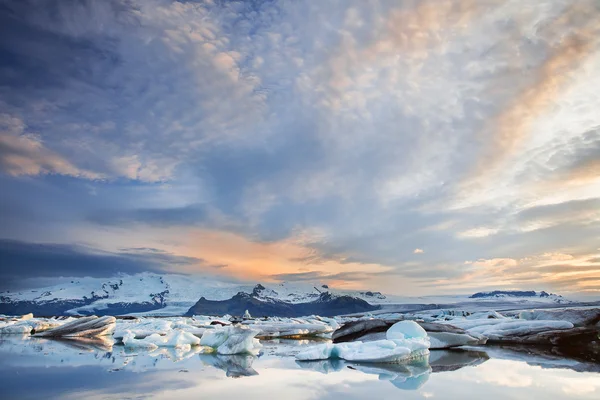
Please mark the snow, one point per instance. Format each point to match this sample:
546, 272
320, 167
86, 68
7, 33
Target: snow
406, 340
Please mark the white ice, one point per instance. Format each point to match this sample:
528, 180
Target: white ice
231, 340
176, 339
404, 341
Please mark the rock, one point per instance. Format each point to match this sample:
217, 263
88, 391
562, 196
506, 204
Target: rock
83, 327
434, 327
355, 330
574, 337
222, 323
578, 317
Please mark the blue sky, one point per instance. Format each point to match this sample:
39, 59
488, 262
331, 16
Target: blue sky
412, 147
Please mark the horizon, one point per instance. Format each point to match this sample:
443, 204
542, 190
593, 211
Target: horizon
415, 148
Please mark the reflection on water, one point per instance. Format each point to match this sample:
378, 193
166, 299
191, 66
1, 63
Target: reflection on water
35, 367
235, 366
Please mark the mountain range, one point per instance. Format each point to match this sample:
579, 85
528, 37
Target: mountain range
173, 294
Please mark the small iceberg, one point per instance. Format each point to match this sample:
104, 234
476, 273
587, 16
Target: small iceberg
232, 340
177, 339
405, 340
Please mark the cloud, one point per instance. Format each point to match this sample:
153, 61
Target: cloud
24, 260
273, 138
478, 232
23, 153
418, 251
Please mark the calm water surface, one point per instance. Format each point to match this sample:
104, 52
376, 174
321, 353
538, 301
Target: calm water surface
49, 369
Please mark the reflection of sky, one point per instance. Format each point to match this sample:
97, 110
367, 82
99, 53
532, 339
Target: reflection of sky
48, 369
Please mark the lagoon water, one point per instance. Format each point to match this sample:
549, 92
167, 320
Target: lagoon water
33, 368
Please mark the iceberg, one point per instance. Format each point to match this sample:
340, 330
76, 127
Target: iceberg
405, 340
143, 328
177, 339
84, 327
517, 328
27, 325
231, 340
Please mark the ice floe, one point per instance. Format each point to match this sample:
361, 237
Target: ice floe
405, 340
84, 327
577, 316
176, 338
232, 340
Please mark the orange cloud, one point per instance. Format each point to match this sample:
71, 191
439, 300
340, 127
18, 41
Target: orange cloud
23, 153
247, 259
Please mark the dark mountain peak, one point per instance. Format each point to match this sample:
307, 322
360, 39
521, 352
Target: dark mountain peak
258, 289
512, 293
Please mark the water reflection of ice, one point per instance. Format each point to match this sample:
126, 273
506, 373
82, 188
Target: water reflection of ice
235, 366
405, 376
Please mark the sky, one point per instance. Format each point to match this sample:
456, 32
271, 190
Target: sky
411, 147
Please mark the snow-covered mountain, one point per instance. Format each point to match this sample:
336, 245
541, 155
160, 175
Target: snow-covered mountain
157, 294
173, 294
517, 295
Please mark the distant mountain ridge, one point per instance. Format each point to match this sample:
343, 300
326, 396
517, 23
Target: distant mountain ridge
527, 294
326, 305
172, 294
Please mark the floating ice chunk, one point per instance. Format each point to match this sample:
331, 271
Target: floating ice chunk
26, 317
486, 314
289, 328
84, 327
15, 329
445, 340
405, 330
143, 328
406, 340
214, 338
318, 352
231, 340
518, 328
382, 351
578, 317
176, 339
130, 341
247, 315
